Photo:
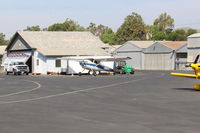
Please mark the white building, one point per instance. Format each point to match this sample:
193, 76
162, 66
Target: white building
40, 50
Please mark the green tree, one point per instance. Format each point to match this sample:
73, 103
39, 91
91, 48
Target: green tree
68, 25
191, 31
2, 39
177, 35
133, 28
98, 30
161, 28
105, 33
33, 28
164, 23
107, 36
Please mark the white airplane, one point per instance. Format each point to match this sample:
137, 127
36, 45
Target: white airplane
94, 65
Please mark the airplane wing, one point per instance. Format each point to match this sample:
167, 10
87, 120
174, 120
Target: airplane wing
96, 59
113, 59
184, 75
74, 58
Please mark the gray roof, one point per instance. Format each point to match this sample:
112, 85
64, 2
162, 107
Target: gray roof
158, 48
142, 44
63, 43
2, 49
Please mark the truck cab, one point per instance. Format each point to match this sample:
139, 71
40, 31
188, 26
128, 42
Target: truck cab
16, 68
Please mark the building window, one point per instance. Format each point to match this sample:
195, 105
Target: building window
58, 63
38, 63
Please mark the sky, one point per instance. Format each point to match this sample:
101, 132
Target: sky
18, 14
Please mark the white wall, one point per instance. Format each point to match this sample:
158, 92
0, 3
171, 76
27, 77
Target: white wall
48, 64
42, 67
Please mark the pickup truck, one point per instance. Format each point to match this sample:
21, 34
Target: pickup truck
16, 68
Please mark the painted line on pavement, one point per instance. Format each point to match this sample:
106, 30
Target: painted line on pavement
74, 92
20, 92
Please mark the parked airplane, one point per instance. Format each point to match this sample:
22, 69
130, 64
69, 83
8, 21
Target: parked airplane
196, 67
94, 65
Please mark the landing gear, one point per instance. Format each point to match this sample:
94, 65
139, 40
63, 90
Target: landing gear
197, 87
91, 72
79, 73
97, 72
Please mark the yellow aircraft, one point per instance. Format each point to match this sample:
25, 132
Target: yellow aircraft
196, 67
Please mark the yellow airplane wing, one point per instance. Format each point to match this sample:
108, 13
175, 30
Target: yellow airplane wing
185, 75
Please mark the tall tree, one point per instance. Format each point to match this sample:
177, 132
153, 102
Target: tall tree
133, 28
164, 22
162, 27
33, 28
2, 39
107, 36
105, 33
68, 25
97, 30
177, 35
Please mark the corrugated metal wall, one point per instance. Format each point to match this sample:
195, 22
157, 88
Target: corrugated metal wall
193, 48
192, 53
193, 42
158, 62
136, 60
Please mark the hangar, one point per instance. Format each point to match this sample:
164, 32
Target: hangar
193, 46
154, 55
134, 49
165, 55
40, 50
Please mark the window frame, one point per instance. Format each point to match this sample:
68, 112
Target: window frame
57, 63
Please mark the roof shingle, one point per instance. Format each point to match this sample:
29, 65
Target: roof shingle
64, 43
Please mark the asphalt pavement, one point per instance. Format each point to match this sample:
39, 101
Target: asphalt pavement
147, 102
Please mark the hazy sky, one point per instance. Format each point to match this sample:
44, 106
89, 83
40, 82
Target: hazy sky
18, 14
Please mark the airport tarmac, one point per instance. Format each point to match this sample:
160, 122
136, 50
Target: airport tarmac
147, 102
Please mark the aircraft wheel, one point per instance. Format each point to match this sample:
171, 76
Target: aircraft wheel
91, 72
79, 73
97, 72
94, 73
7, 72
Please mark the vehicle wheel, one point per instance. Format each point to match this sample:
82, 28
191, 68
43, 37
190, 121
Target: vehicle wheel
120, 72
15, 73
26, 73
91, 72
132, 72
7, 73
